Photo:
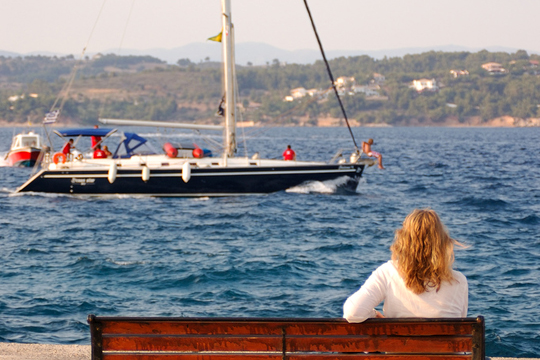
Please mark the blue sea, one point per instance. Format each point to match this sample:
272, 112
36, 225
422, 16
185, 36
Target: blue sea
296, 253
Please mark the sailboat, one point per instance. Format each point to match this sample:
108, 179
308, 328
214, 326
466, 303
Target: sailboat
130, 169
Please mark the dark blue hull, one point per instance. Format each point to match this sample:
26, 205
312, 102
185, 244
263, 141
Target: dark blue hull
203, 182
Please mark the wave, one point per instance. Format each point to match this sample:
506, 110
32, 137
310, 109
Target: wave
418, 188
482, 203
336, 247
125, 263
530, 220
437, 165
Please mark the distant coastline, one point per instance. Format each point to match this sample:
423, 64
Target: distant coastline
504, 122
431, 89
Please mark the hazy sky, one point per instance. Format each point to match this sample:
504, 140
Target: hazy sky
65, 26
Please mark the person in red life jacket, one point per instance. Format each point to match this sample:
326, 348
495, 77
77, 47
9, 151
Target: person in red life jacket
95, 139
289, 154
67, 147
99, 154
366, 148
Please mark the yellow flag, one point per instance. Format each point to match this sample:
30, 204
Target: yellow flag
217, 37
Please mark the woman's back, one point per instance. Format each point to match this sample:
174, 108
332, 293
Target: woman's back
450, 301
419, 280
386, 284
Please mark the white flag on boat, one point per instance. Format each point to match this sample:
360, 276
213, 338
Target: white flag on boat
51, 117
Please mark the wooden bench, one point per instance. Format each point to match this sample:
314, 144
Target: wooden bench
137, 338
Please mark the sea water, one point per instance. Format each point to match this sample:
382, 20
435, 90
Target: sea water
296, 253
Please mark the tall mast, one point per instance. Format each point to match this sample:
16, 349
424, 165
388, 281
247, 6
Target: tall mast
228, 71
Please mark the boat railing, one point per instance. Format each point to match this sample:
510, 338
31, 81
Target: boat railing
337, 155
340, 158
42, 160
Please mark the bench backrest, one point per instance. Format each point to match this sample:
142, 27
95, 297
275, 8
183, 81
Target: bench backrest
122, 338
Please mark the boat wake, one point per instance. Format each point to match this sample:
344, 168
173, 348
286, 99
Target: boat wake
335, 186
13, 193
6, 190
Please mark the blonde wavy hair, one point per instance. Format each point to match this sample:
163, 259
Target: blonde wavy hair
423, 251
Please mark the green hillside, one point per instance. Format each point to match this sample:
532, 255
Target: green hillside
142, 87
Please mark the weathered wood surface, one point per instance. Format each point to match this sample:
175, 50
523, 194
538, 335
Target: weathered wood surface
115, 338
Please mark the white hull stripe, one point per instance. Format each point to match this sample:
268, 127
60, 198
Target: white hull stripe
167, 195
104, 175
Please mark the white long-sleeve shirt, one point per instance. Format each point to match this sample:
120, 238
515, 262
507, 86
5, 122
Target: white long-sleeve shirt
385, 284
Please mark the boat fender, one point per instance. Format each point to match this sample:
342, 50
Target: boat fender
170, 150
112, 173
198, 153
145, 173
354, 158
186, 172
59, 157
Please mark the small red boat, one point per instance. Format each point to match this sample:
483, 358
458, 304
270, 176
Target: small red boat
25, 149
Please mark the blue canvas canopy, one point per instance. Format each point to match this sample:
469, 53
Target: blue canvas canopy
129, 141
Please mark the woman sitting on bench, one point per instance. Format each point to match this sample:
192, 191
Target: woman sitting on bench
419, 280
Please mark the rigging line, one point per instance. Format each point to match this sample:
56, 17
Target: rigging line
64, 92
208, 140
330, 74
102, 107
68, 85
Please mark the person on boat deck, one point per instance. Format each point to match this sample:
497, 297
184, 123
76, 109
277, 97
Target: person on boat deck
98, 153
366, 148
106, 151
289, 154
419, 280
67, 147
95, 139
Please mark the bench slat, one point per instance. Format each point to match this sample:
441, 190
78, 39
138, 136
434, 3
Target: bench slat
192, 357
377, 357
274, 328
425, 344
279, 357
214, 343
369, 328
191, 327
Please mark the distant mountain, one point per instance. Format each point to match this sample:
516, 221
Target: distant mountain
33, 53
260, 53
8, 54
